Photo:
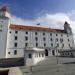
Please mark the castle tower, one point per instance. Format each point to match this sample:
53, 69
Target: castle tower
4, 24
67, 28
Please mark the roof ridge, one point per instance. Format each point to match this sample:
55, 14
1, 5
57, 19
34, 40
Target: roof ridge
25, 27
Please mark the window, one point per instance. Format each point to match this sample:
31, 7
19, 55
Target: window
15, 37
68, 40
16, 32
8, 52
52, 44
69, 45
15, 44
30, 55
26, 44
36, 44
26, 38
56, 39
42, 55
50, 34
36, 38
56, 34
62, 45
44, 44
61, 40
36, 33
44, 39
43, 33
15, 52
26, 32
51, 39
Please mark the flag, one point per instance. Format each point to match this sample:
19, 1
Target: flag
38, 23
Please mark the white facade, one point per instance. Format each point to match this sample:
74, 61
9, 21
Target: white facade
4, 24
33, 56
31, 42
13, 40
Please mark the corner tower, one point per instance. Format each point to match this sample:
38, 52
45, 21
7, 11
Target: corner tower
4, 24
67, 28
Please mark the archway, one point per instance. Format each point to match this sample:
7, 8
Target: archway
46, 52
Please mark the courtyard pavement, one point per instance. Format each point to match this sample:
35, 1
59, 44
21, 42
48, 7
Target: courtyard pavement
51, 66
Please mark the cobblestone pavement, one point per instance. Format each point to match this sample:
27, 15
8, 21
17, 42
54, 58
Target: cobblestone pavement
50, 67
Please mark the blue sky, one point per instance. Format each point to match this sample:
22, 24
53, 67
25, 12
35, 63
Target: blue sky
33, 8
49, 13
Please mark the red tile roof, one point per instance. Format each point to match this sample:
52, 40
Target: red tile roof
33, 28
4, 8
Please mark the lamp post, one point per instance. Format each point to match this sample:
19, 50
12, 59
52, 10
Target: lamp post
57, 54
61, 52
56, 45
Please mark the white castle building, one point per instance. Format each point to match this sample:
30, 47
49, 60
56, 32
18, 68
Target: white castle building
31, 41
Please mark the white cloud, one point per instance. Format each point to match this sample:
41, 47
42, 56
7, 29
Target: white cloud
49, 20
18, 20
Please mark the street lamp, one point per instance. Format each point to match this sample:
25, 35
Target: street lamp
57, 54
56, 45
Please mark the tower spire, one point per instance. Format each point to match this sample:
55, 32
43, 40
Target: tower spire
67, 28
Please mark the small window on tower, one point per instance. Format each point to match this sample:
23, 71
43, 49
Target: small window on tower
8, 52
